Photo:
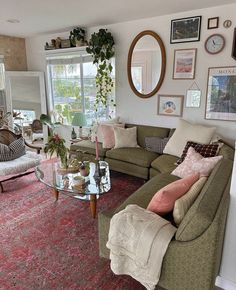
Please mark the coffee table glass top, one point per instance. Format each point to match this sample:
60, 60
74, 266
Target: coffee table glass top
96, 183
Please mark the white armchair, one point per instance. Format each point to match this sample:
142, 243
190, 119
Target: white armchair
20, 166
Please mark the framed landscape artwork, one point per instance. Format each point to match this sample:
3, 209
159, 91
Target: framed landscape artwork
184, 63
221, 94
185, 29
170, 105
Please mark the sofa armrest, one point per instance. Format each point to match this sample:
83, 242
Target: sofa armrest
203, 211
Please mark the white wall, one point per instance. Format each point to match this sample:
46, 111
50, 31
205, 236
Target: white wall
137, 110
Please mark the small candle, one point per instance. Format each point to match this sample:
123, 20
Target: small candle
97, 155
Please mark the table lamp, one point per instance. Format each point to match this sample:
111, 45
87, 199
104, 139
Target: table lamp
79, 120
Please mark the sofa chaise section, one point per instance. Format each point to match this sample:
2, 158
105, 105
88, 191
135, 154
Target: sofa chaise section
193, 257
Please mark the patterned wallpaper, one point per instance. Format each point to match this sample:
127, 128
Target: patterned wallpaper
13, 49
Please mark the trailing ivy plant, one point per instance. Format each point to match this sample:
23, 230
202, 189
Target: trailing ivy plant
101, 47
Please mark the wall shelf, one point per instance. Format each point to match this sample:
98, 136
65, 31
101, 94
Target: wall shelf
65, 50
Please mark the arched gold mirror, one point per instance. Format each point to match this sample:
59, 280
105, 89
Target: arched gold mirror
146, 64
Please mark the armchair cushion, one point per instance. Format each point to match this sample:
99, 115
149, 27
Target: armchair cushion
12, 151
21, 164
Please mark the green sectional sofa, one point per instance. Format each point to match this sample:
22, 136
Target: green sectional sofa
193, 257
133, 161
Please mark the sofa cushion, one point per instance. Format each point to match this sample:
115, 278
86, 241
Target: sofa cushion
96, 128
88, 147
125, 137
164, 163
188, 132
206, 150
164, 199
183, 204
144, 194
138, 156
155, 144
108, 134
151, 131
194, 162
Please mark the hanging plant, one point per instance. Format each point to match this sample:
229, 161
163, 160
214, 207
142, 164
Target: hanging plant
101, 47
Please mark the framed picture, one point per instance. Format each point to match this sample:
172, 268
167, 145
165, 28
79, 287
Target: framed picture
221, 94
184, 63
185, 29
170, 105
193, 98
233, 54
213, 23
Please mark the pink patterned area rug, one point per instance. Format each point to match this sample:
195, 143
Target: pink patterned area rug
54, 245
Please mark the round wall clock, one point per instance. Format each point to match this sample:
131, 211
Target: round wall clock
215, 43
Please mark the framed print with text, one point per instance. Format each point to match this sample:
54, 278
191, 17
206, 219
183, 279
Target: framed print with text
221, 94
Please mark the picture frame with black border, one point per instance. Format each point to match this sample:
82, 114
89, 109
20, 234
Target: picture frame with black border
233, 54
213, 23
186, 29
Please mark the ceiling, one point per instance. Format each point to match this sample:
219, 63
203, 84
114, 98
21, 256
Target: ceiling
43, 16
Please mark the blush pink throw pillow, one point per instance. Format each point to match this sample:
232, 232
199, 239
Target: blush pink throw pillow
108, 134
195, 162
164, 200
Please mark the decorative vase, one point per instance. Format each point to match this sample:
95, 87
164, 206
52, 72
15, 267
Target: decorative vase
64, 161
73, 134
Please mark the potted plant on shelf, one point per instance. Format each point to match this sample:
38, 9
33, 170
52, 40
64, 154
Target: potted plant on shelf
77, 36
101, 47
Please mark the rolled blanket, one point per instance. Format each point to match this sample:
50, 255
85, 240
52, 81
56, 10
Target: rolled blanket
138, 240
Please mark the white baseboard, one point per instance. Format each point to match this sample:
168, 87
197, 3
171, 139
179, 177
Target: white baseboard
225, 284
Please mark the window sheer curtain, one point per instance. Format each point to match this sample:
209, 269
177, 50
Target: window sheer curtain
2, 85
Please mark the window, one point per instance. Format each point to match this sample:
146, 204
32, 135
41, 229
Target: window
72, 86
25, 117
2, 86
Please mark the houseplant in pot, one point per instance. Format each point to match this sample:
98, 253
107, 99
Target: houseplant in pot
77, 36
55, 143
101, 47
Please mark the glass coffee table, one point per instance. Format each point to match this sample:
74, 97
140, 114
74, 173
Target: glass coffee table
61, 181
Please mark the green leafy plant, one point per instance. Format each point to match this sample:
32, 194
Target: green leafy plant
46, 120
101, 47
55, 143
77, 34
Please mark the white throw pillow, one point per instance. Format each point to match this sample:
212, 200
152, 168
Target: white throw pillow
125, 137
183, 204
96, 128
185, 132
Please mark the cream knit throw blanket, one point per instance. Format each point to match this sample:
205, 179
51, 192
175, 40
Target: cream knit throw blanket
138, 240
